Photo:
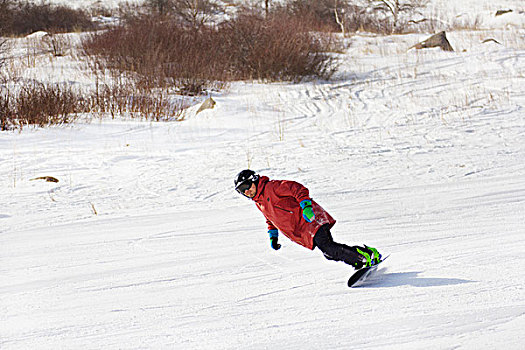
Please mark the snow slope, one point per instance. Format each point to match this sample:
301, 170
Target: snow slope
143, 244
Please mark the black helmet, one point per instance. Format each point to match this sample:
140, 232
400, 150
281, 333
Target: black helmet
245, 179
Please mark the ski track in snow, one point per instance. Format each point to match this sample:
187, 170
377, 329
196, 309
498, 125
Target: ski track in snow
420, 154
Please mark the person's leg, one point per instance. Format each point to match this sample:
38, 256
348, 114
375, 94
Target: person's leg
336, 251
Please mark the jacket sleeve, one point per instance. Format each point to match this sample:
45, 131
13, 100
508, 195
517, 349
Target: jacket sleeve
292, 189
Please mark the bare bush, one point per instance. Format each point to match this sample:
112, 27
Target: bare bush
24, 17
278, 48
53, 104
167, 53
39, 104
338, 15
121, 98
347, 16
320, 14
196, 13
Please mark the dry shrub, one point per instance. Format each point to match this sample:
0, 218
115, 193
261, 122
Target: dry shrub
39, 104
47, 104
121, 99
166, 53
54, 104
276, 49
25, 17
320, 15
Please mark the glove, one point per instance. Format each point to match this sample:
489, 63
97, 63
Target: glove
274, 236
308, 212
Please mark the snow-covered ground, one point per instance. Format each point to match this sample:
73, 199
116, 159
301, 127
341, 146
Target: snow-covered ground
143, 244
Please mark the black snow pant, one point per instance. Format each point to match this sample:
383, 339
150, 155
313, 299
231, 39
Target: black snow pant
337, 251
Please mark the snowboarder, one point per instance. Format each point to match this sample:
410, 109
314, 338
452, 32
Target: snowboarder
288, 208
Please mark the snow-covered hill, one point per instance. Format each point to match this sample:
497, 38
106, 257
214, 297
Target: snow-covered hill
143, 244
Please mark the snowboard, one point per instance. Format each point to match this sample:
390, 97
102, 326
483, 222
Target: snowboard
362, 274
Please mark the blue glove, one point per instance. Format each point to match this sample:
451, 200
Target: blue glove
274, 236
308, 212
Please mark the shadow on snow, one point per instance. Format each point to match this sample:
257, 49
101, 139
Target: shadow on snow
397, 279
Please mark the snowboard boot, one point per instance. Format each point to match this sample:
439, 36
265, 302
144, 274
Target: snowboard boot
376, 259
348, 255
371, 255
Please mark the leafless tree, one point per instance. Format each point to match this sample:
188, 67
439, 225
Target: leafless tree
339, 17
397, 8
196, 12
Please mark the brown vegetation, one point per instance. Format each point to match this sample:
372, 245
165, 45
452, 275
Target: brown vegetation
164, 52
39, 104
18, 17
51, 104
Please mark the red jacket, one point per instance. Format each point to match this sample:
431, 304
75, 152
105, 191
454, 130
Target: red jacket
279, 201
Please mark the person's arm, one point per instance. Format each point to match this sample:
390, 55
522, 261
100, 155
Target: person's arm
292, 189
301, 195
273, 232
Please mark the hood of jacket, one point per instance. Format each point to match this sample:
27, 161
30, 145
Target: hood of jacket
261, 184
